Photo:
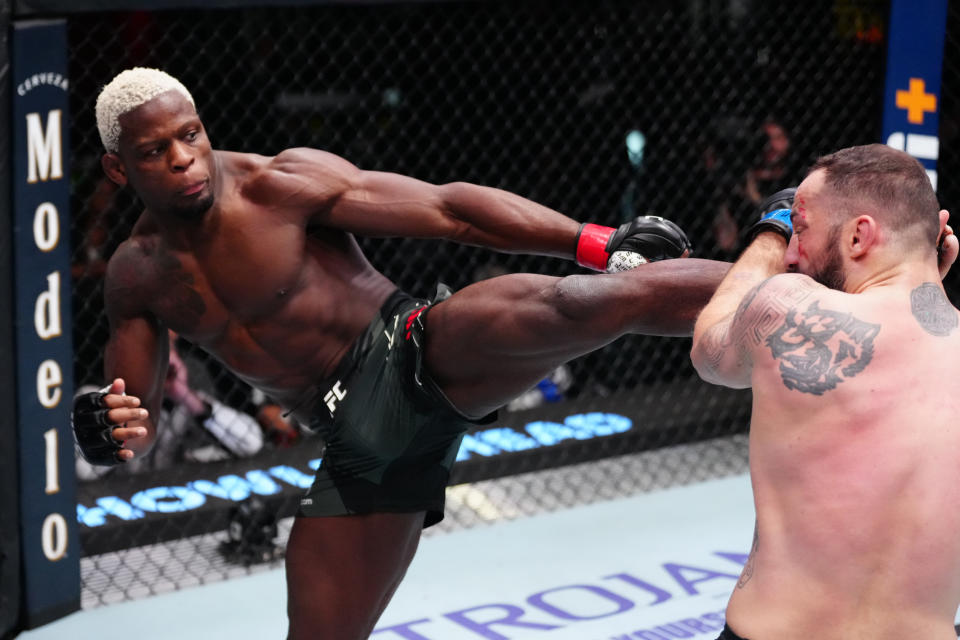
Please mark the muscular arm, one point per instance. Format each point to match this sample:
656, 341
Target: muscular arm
729, 326
328, 190
137, 348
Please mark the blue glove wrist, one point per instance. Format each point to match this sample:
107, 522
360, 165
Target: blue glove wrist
779, 215
775, 215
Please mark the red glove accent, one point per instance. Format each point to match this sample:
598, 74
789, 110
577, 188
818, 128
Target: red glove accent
592, 246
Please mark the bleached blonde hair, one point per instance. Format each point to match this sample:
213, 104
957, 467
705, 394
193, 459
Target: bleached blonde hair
128, 90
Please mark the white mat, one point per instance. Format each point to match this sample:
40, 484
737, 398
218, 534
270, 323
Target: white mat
651, 567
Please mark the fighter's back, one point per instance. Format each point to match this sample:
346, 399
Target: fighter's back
853, 455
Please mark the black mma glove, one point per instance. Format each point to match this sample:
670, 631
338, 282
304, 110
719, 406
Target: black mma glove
775, 215
93, 430
651, 238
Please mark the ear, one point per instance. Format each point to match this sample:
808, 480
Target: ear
944, 218
864, 237
113, 167
948, 248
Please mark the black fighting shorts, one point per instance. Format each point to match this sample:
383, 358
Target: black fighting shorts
390, 434
728, 634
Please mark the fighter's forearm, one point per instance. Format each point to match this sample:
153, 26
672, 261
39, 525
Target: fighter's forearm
507, 222
142, 374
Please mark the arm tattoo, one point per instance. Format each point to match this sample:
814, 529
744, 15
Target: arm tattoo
751, 561
932, 310
753, 329
818, 348
744, 335
719, 339
742, 330
715, 343
750, 331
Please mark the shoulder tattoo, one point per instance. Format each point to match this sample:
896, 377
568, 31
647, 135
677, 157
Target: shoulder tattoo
720, 338
758, 316
755, 318
818, 348
728, 334
751, 329
932, 310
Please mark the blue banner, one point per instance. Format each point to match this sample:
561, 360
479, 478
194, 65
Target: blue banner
41, 233
914, 65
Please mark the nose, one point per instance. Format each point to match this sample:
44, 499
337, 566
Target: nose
791, 258
180, 157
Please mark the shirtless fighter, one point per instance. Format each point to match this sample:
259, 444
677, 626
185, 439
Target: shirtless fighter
253, 259
854, 442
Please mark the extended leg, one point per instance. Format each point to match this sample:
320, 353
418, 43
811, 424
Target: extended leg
493, 340
342, 571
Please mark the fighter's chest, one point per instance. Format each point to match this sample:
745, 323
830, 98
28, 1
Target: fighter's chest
241, 275
249, 268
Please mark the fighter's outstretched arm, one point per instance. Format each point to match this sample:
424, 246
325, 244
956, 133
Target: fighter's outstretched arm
335, 193
329, 191
135, 362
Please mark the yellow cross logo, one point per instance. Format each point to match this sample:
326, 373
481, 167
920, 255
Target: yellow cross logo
916, 101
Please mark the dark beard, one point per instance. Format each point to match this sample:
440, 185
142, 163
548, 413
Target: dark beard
194, 210
830, 273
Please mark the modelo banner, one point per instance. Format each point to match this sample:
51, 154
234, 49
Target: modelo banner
50, 548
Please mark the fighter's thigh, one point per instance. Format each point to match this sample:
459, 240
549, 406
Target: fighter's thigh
498, 337
342, 570
500, 316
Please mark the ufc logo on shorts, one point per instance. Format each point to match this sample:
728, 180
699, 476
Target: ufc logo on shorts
333, 396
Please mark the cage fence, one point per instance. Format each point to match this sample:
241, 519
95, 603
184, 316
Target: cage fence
604, 110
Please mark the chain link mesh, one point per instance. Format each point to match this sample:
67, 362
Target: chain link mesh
948, 165
603, 110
